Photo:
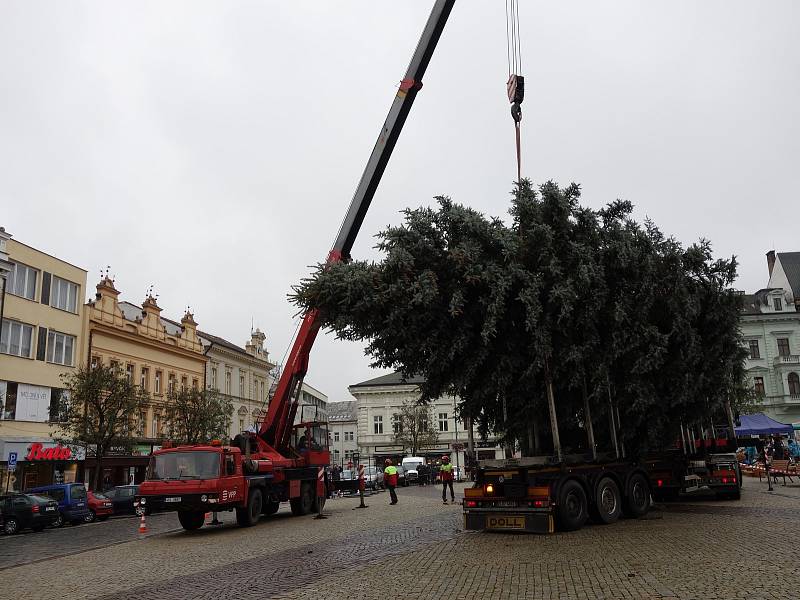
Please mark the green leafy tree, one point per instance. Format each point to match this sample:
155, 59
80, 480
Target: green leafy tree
414, 427
565, 317
194, 416
97, 412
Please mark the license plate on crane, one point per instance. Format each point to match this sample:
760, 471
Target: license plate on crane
173, 499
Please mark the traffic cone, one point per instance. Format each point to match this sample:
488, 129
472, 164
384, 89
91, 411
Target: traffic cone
142, 525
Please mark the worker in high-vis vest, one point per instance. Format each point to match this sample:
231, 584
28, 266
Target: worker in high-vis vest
390, 479
446, 473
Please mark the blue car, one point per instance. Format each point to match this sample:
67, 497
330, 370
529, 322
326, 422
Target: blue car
73, 503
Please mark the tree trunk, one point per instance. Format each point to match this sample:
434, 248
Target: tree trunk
619, 429
537, 439
98, 468
589, 427
612, 420
731, 424
551, 406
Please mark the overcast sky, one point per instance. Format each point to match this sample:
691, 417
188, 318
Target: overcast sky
212, 148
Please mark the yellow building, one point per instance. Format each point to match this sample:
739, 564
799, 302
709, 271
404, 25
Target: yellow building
42, 333
156, 353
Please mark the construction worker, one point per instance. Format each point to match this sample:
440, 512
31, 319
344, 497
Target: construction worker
446, 472
390, 479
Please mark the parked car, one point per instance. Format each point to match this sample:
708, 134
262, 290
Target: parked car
402, 479
373, 478
100, 507
72, 501
123, 496
21, 511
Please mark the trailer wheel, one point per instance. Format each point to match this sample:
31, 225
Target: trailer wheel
607, 501
271, 507
637, 496
302, 505
249, 515
572, 505
191, 520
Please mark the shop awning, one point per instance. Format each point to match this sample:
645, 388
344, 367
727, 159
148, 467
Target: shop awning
761, 424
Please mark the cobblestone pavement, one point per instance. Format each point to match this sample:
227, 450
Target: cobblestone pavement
689, 550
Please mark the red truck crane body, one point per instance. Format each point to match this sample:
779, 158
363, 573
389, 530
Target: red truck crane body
284, 460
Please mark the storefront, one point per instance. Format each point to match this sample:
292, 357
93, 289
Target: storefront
120, 467
39, 462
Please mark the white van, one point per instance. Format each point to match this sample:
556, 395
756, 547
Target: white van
410, 464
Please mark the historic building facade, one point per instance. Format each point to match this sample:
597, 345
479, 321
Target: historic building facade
241, 374
379, 399
770, 325
42, 315
156, 353
343, 430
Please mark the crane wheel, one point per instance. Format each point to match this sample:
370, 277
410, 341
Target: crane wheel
303, 504
572, 506
607, 506
249, 515
270, 507
637, 496
191, 520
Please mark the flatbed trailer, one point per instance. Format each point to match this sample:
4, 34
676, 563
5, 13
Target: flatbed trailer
541, 495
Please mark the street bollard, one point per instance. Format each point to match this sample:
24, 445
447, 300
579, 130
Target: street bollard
320, 493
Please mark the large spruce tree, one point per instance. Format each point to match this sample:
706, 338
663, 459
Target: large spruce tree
583, 311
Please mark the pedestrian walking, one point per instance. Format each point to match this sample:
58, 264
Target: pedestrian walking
446, 472
390, 479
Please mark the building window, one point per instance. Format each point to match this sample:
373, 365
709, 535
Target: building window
228, 382
171, 384
241, 425
443, 424
64, 295
144, 380
157, 388
262, 397
348, 435
758, 384
423, 424
377, 424
213, 378
129, 372
142, 423
397, 423
184, 382
776, 302
21, 281
783, 347
155, 425
335, 436
194, 383
16, 339
60, 348
241, 387
754, 352
114, 365
794, 384
95, 361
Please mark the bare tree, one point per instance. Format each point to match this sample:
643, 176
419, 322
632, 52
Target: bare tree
414, 426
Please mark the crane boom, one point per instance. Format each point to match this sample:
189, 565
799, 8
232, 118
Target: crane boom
276, 427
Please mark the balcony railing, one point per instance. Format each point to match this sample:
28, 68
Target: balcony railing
788, 359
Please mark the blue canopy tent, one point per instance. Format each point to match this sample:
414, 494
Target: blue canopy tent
761, 424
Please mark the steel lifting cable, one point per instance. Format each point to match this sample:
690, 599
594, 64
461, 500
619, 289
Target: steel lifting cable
515, 86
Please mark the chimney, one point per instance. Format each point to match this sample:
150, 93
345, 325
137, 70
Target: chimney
770, 261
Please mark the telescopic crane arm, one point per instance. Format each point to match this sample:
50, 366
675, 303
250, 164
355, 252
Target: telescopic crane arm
276, 427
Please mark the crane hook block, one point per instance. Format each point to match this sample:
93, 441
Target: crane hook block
515, 88
516, 112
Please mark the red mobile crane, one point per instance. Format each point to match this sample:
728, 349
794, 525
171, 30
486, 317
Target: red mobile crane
283, 461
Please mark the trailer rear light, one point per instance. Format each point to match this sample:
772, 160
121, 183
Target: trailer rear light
538, 503
471, 504
489, 489
724, 480
660, 483
35, 508
733, 479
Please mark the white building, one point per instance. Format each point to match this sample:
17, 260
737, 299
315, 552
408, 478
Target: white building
343, 430
312, 406
242, 374
770, 326
381, 398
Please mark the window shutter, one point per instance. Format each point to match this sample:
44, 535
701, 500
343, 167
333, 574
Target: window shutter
45, 290
41, 347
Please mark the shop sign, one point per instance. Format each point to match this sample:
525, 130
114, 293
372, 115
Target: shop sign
37, 451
